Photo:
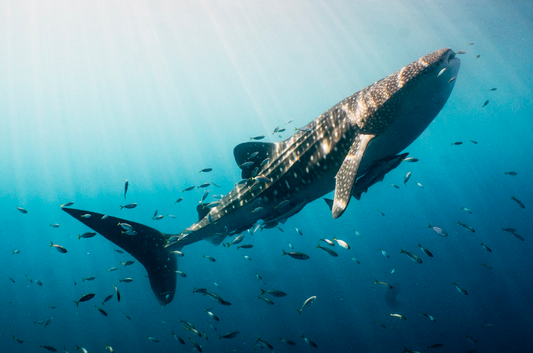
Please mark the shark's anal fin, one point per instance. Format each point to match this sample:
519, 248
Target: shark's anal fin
345, 178
147, 245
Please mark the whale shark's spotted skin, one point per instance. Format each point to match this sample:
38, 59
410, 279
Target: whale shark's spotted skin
347, 149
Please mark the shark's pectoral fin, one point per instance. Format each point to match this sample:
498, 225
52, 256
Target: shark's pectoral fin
145, 244
345, 178
244, 151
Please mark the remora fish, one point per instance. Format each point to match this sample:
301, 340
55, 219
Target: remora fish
349, 148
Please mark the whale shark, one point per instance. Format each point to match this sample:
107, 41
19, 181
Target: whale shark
347, 149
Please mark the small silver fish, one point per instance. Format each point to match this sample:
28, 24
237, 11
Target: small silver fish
439, 231
307, 303
460, 289
406, 178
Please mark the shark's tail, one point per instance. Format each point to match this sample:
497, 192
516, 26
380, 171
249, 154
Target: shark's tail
145, 244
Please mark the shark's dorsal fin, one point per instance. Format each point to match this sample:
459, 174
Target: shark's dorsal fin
243, 151
202, 211
345, 178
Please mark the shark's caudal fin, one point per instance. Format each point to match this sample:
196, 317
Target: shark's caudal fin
147, 246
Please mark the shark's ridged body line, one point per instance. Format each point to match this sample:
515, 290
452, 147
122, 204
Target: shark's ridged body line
348, 148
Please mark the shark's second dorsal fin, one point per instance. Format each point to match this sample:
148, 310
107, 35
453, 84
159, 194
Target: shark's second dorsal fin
202, 211
244, 151
345, 178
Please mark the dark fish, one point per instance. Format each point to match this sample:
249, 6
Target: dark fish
492, 89
17, 339
309, 342
412, 256
245, 246
84, 298
274, 293
67, 204
436, 345
466, 226
289, 342
86, 235
126, 280
21, 210
511, 173
474, 142
12, 280
204, 185
486, 247
260, 137
510, 230
266, 300
129, 206
126, 183
118, 293
485, 104
457, 143
199, 290
196, 345
128, 263
477, 56
518, 237
425, 251
119, 251
229, 335
48, 322
460, 289
206, 170
189, 188
179, 200
296, 255
327, 250
101, 310
178, 338
518, 202
461, 52
108, 298
48, 348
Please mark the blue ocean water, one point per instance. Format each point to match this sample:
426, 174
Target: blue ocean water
94, 93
